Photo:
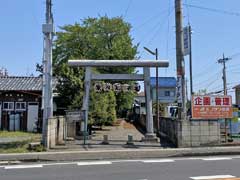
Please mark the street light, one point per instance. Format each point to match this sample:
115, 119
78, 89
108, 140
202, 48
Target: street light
157, 101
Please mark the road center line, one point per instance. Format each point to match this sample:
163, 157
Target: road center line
217, 159
158, 161
94, 163
212, 177
24, 166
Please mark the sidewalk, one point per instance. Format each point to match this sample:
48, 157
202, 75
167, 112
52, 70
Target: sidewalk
117, 136
128, 153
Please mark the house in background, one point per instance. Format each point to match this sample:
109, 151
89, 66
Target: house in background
166, 93
166, 89
20, 103
237, 95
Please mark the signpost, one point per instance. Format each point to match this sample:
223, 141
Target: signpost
211, 107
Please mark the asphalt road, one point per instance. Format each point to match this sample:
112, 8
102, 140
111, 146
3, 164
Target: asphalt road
145, 169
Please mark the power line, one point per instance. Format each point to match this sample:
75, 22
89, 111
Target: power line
168, 22
150, 20
209, 78
188, 16
157, 31
128, 6
206, 69
213, 10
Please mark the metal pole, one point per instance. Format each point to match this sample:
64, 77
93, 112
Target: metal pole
224, 76
190, 59
180, 60
157, 100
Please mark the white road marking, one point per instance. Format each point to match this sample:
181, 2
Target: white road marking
24, 166
158, 161
63, 163
194, 158
94, 163
212, 177
217, 159
120, 161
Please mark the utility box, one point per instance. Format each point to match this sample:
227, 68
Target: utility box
48, 28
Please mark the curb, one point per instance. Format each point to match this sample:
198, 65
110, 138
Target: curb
119, 154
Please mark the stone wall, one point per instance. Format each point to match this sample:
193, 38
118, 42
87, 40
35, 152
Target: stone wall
188, 133
191, 133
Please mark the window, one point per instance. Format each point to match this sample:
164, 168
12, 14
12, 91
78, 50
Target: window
20, 106
143, 104
167, 93
172, 93
9, 106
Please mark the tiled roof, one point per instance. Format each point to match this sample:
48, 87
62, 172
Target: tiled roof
164, 82
21, 83
237, 86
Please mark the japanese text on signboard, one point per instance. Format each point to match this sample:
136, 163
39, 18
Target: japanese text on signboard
211, 107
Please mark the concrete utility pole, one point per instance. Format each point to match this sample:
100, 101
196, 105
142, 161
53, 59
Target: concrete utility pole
223, 61
181, 96
48, 31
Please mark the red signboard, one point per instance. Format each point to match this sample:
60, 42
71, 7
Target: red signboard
211, 107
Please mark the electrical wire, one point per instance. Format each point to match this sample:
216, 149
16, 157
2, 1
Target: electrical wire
157, 31
161, 26
209, 78
126, 11
149, 20
213, 10
188, 15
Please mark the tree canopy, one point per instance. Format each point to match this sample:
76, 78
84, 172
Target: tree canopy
93, 38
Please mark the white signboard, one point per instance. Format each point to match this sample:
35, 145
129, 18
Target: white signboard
186, 40
74, 116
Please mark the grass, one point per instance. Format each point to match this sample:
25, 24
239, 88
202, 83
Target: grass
19, 146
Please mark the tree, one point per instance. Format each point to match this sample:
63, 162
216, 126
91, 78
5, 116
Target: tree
93, 38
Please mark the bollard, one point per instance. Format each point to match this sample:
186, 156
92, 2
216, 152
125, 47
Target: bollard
130, 140
105, 139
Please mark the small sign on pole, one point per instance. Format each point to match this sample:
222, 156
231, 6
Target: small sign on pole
179, 89
186, 40
211, 107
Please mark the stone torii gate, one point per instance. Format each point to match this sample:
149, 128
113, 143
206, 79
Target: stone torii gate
89, 76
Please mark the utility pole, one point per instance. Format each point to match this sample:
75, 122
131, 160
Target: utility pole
157, 99
223, 61
181, 96
48, 31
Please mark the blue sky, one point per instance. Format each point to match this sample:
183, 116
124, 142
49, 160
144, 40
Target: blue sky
153, 26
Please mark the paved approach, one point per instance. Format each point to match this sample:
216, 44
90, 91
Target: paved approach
142, 169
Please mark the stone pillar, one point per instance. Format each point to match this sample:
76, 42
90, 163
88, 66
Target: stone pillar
87, 84
150, 136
